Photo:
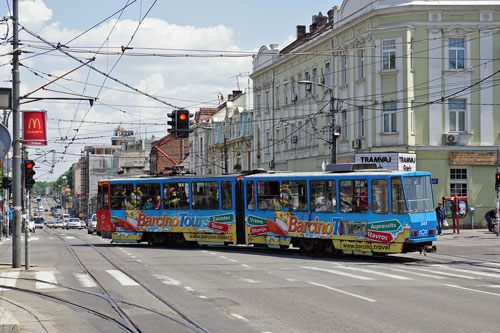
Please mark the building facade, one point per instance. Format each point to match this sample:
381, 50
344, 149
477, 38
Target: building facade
399, 76
230, 135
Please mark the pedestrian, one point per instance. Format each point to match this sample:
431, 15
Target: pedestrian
491, 214
440, 215
11, 222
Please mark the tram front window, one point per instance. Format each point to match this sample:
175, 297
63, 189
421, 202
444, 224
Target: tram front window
418, 191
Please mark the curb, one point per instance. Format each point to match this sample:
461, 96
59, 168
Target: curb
7, 322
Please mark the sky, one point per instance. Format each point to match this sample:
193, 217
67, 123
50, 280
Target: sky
187, 31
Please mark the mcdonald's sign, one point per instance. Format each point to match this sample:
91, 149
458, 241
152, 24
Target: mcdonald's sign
34, 129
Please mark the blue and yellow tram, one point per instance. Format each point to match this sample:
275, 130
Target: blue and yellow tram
361, 212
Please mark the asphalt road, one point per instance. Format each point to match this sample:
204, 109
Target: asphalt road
239, 289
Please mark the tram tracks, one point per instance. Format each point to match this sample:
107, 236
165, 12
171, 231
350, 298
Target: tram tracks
125, 322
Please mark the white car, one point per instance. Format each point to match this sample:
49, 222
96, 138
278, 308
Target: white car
73, 223
92, 226
31, 226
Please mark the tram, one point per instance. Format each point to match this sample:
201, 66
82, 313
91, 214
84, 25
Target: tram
371, 211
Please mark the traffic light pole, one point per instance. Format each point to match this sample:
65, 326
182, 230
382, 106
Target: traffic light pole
27, 233
16, 144
497, 221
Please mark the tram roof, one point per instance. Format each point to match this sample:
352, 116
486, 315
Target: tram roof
274, 174
367, 172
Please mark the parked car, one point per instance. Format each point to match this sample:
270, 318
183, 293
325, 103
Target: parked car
73, 223
92, 226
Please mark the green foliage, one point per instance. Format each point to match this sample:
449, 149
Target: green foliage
40, 185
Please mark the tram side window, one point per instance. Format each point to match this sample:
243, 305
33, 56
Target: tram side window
205, 195
380, 200
268, 194
176, 195
226, 195
121, 196
323, 196
250, 195
353, 196
398, 198
149, 196
294, 195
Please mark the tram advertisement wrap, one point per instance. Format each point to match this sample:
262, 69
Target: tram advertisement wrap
286, 224
140, 221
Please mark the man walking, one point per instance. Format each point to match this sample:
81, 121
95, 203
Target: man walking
489, 216
440, 218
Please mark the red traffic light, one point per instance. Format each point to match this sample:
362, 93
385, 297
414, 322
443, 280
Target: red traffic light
182, 116
30, 165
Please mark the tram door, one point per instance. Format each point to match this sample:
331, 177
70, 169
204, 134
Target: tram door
240, 212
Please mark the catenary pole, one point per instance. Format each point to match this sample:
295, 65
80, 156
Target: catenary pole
16, 143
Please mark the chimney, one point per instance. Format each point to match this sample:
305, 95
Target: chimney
322, 20
314, 26
236, 93
301, 31
330, 15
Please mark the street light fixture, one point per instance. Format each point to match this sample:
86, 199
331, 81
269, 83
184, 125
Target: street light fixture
335, 106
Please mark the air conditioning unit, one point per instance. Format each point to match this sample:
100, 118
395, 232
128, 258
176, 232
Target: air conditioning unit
451, 138
294, 139
356, 144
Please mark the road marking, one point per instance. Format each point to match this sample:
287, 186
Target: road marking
133, 257
223, 257
8, 279
392, 276
343, 292
167, 280
69, 237
47, 276
246, 266
201, 296
491, 285
85, 280
469, 289
470, 272
189, 288
291, 280
419, 274
446, 274
250, 280
31, 238
232, 260
122, 278
338, 273
237, 316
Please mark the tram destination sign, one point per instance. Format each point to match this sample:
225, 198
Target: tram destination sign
389, 161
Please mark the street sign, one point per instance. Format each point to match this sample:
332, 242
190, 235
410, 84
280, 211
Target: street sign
34, 128
5, 141
434, 181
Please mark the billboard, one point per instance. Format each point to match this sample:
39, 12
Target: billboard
34, 128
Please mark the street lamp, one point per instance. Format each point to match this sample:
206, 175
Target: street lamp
335, 106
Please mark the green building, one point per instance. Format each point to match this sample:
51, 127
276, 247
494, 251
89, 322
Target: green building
388, 76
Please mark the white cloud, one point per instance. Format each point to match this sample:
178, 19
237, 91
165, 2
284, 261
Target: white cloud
34, 14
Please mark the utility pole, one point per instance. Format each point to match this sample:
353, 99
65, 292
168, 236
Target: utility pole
225, 152
16, 144
334, 137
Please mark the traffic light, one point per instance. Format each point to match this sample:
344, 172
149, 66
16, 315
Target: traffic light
497, 181
183, 123
173, 123
6, 182
29, 172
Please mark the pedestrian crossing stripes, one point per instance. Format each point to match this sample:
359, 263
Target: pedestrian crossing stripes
323, 274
